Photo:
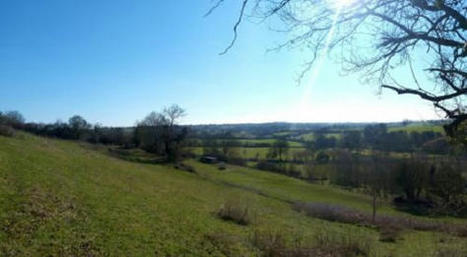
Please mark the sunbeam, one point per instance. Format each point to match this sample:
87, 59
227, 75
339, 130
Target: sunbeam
305, 102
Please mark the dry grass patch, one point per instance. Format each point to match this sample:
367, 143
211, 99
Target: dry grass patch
326, 244
236, 211
389, 226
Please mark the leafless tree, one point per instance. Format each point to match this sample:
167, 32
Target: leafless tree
377, 38
160, 132
173, 113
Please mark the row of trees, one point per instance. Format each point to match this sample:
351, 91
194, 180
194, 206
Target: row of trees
160, 133
157, 133
11, 118
432, 183
378, 137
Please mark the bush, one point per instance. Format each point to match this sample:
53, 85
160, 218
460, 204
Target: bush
222, 166
236, 212
6, 131
275, 244
236, 161
272, 244
185, 167
389, 234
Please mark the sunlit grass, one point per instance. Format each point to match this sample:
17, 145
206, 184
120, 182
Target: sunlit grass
63, 198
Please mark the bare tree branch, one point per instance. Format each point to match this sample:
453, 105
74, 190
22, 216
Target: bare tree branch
374, 37
235, 28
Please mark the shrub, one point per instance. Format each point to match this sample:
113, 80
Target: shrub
331, 212
271, 166
274, 244
6, 131
222, 166
237, 161
185, 167
270, 243
225, 243
389, 233
235, 211
461, 231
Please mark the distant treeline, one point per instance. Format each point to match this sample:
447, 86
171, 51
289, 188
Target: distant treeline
379, 138
375, 136
157, 133
228, 142
419, 183
266, 130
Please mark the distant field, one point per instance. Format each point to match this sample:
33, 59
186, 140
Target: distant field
253, 141
268, 141
282, 134
417, 128
311, 136
251, 152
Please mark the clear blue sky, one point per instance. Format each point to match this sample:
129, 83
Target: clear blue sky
115, 61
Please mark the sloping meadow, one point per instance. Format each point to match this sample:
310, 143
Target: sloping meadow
61, 198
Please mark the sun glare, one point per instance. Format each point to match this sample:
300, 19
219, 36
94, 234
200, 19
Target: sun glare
337, 4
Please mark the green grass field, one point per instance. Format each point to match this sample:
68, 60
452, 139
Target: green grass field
270, 141
62, 198
311, 136
417, 128
251, 152
292, 144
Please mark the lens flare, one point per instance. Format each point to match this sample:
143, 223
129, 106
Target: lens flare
305, 102
336, 4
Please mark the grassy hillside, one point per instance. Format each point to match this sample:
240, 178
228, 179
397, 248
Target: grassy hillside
61, 198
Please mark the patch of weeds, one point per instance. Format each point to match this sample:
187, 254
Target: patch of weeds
449, 252
271, 243
38, 210
225, 243
185, 167
280, 244
82, 247
389, 226
389, 234
331, 212
275, 244
342, 245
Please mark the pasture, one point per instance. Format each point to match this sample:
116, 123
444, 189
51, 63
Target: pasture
63, 198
